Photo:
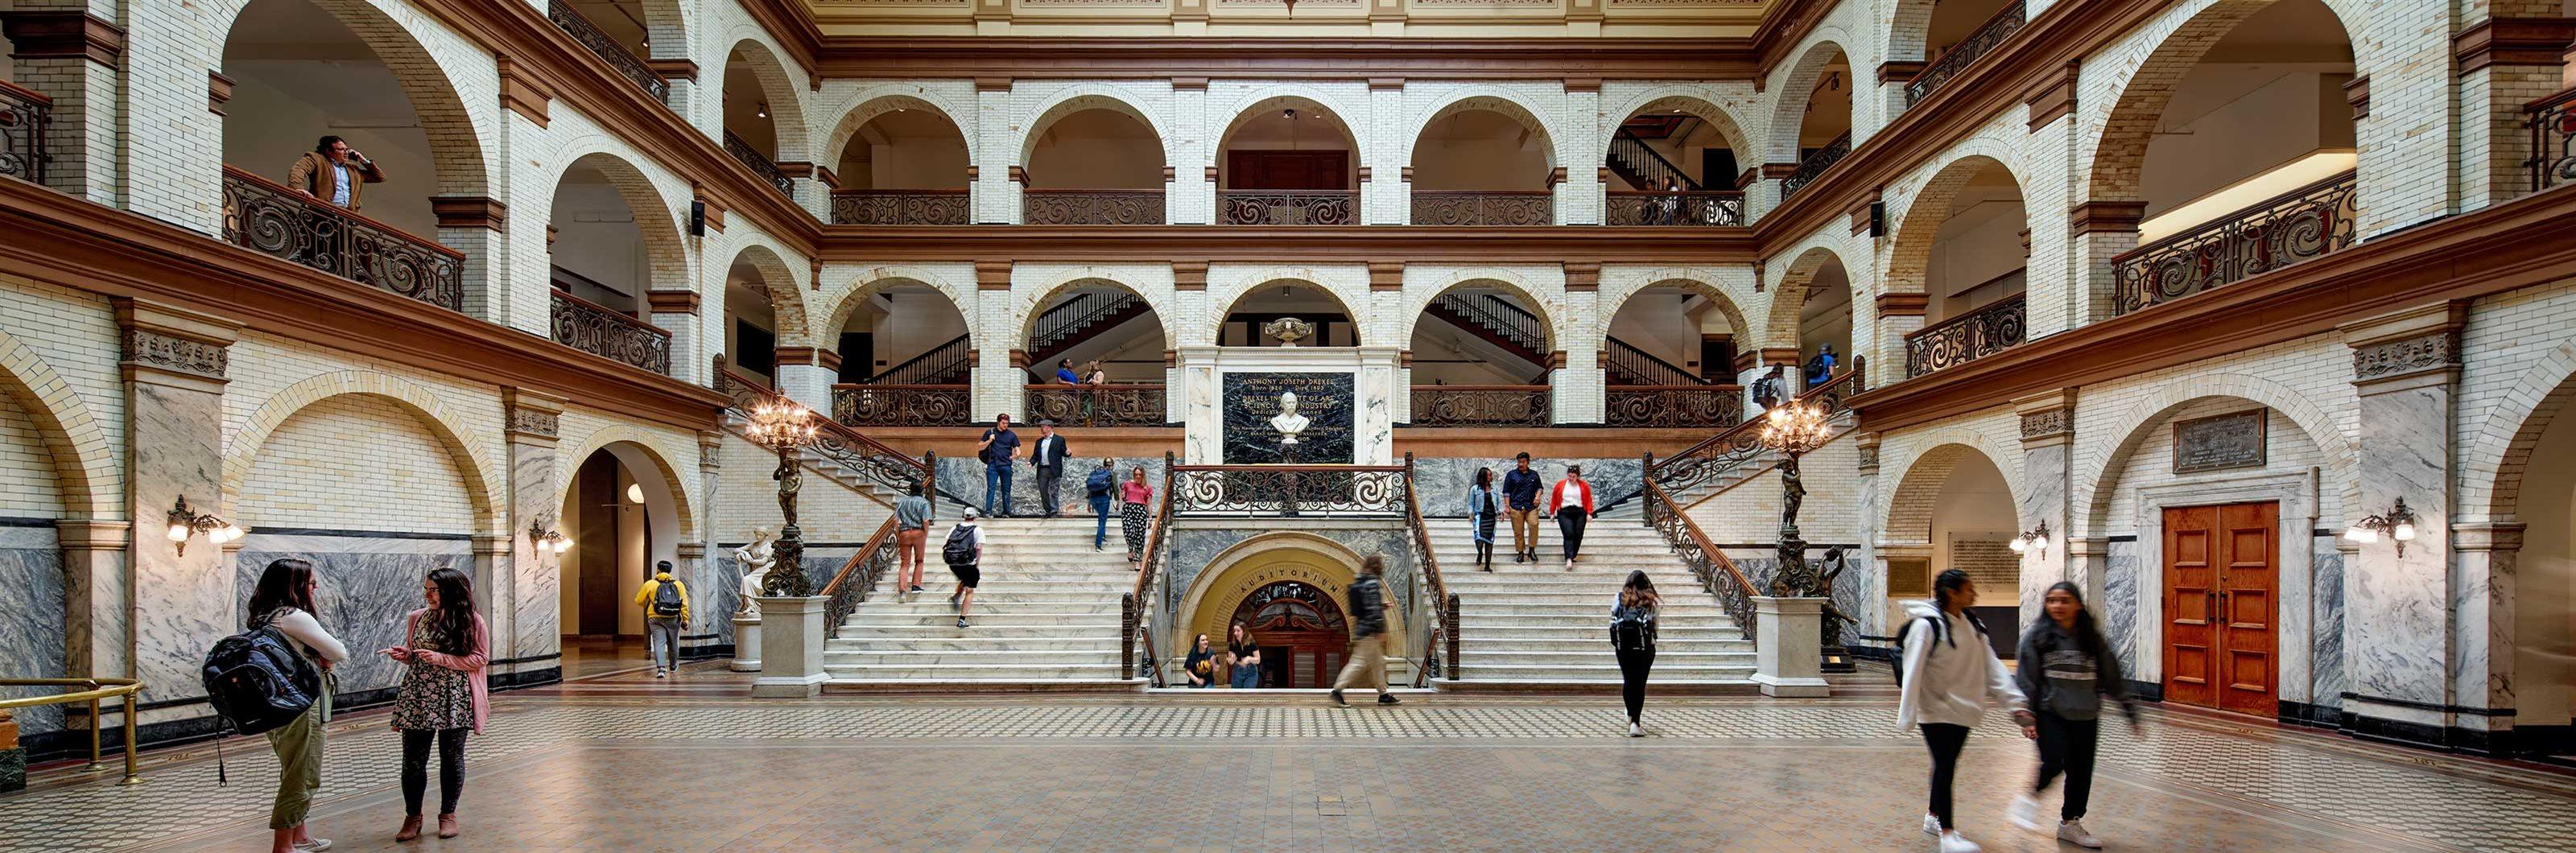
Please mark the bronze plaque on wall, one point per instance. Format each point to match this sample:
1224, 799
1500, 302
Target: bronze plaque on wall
2219, 442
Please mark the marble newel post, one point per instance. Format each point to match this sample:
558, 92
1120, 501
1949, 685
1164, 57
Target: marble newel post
2405, 638
174, 363
529, 650
2047, 449
95, 595
1785, 646
791, 646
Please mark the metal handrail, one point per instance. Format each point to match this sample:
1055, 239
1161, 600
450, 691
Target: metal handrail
624, 62
759, 163
268, 217
1716, 572
845, 596
1620, 349
2287, 229
1989, 35
951, 355
1441, 602
2553, 139
1814, 165
24, 116
1145, 576
99, 688
1639, 143
853, 450
1989, 329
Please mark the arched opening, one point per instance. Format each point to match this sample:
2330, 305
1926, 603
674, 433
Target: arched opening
1287, 161
1671, 358
327, 158
31, 560
1957, 510
907, 357
1675, 161
2235, 143
1825, 120
1292, 583
1949, 36
904, 163
751, 323
1094, 164
1300, 630
2544, 579
608, 240
1094, 357
629, 35
1483, 161
623, 519
1483, 355
1966, 244
1811, 317
758, 100
1327, 321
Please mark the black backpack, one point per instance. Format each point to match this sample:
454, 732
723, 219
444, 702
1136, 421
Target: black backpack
257, 681
960, 548
667, 603
1896, 662
1631, 631
1099, 482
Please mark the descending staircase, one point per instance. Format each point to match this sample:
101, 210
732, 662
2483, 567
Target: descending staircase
1046, 618
1536, 626
1641, 166
1077, 320
1517, 331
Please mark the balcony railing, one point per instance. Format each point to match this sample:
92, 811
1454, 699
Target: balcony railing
1967, 337
902, 405
626, 63
1091, 207
759, 163
609, 333
2553, 140
1482, 405
23, 116
1714, 207
1993, 32
1484, 207
1096, 405
267, 217
2302, 224
1287, 207
1709, 406
1815, 165
901, 207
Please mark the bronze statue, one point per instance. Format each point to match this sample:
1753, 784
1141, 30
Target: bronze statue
790, 478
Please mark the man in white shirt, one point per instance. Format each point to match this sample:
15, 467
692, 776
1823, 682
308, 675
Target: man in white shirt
1048, 456
965, 542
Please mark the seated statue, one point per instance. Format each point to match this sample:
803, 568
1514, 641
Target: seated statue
756, 559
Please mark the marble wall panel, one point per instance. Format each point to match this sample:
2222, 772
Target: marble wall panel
32, 624
961, 480
368, 584
1193, 548
1443, 482
2119, 607
2327, 665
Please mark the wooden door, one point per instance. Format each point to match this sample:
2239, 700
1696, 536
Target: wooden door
1300, 630
2221, 564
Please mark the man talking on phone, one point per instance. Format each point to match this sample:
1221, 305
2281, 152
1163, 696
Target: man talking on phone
334, 172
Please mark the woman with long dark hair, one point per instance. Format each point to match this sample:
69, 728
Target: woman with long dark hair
443, 693
2067, 668
1632, 640
1201, 665
1949, 673
283, 599
1482, 509
1135, 512
1246, 652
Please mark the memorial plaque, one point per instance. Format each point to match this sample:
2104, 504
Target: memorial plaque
1252, 399
2219, 442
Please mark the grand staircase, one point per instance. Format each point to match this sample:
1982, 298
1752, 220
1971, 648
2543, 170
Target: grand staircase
1536, 626
1046, 617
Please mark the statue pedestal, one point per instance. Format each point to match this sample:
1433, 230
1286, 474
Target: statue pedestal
792, 656
1786, 646
746, 644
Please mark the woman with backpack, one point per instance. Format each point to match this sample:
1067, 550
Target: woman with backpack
1482, 509
443, 693
1632, 640
2067, 668
1949, 671
1135, 502
283, 599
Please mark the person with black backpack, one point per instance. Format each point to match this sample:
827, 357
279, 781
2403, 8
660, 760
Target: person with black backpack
1947, 671
964, 553
283, 602
666, 609
1632, 641
1097, 487
1369, 606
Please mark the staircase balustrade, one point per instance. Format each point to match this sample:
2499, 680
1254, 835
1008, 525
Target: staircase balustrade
267, 217
1301, 490
858, 454
2553, 139
1059, 324
1096, 405
1441, 632
1514, 324
1956, 61
1630, 364
760, 164
609, 333
1815, 164
1658, 207
24, 115
1716, 573
1484, 207
598, 41
901, 207
1091, 207
857, 578
1287, 207
1483, 405
1132, 626
2300, 225
944, 364
1716, 406
1983, 332
1716, 455
903, 405
1642, 166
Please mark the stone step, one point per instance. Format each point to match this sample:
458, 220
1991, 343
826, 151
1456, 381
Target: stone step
1665, 656
1549, 631
996, 617
1474, 642
972, 639
1030, 632
1592, 610
997, 656
1476, 671
972, 672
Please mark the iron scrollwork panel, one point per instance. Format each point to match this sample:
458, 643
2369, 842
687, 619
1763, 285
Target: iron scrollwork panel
1983, 332
1687, 406
23, 117
1092, 207
2301, 225
1675, 208
900, 405
271, 219
2553, 141
1815, 164
608, 334
759, 163
1988, 36
1441, 405
1484, 208
1107, 405
1287, 208
1288, 489
599, 42
1712, 577
899, 207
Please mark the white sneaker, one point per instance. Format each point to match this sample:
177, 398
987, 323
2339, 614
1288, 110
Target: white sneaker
1953, 842
2072, 832
1931, 825
2025, 813
313, 845
1636, 731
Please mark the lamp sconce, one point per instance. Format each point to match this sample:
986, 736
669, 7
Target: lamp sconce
2398, 525
186, 523
542, 531
2035, 539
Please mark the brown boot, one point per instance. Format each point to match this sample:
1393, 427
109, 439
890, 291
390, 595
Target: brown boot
410, 830
447, 826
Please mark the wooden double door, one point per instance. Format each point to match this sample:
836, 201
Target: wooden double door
1303, 638
2221, 607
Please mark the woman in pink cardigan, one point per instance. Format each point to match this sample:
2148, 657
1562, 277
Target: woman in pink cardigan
443, 693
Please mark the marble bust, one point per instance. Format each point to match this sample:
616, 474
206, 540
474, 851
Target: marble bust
756, 559
1288, 330
1289, 423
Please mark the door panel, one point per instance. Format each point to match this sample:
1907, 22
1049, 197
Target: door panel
2220, 573
2252, 533
2191, 579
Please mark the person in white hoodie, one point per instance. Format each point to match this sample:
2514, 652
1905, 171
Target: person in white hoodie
1949, 672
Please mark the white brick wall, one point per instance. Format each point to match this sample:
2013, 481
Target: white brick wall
58, 357
355, 462
275, 380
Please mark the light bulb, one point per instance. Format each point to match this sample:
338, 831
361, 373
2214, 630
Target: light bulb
178, 532
635, 493
2361, 534
2405, 531
2040, 542
563, 544
2017, 546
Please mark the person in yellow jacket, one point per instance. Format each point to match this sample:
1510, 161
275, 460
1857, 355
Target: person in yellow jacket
666, 607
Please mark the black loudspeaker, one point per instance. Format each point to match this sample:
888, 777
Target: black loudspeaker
697, 219
1877, 218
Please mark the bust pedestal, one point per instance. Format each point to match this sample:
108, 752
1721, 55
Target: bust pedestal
746, 643
791, 647
1786, 652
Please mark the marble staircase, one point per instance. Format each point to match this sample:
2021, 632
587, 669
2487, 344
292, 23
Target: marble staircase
1746, 469
1538, 627
1045, 617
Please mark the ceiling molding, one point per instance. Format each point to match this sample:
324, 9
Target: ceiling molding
1289, 58
1350, 244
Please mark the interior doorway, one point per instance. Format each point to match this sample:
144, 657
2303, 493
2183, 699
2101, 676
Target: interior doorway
1303, 637
612, 531
2222, 627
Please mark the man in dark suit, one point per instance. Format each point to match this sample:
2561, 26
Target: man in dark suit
1048, 455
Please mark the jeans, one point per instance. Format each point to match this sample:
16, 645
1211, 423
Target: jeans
2067, 746
1246, 677
1048, 479
1569, 521
997, 481
1945, 740
415, 768
1100, 507
663, 635
1633, 665
299, 760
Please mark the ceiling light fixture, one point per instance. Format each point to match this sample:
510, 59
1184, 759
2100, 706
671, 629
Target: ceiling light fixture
764, 109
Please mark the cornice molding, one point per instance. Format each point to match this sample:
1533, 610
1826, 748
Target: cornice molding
1376, 60
2513, 41
63, 35
1351, 244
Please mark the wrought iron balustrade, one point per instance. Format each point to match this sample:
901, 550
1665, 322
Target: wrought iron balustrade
267, 217
1715, 207
1983, 332
2553, 140
901, 207
619, 59
609, 333
945, 364
24, 115
1287, 207
1989, 35
1715, 406
1091, 207
1717, 455
858, 577
760, 164
1439, 608
1096, 405
902, 405
1631, 158
1482, 405
1717, 574
1499, 316
1347, 490
858, 454
1075, 315
1630, 364
1816, 163
2300, 225
1484, 207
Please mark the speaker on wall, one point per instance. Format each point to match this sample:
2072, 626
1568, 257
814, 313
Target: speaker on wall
697, 218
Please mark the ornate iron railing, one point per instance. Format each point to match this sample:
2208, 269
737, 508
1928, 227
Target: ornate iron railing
1967, 337
24, 115
1630, 364
619, 59
940, 365
1498, 315
1712, 406
1361, 490
858, 454
1072, 317
1717, 455
609, 333
1096, 405
1132, 626
1815, 164
858, 577
2302, 224
1716, 573
1722, 207
1287, 207
760, 164
902, 405
1091, 207
1482, 405
2553, 140
1440, 634
1643, 166
267, 217
1956, 61
1484, 207
901, 207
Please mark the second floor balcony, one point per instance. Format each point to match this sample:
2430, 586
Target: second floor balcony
269, 217
609, 333
1979, 333
1815, 164
2300, 225
1956, 59
1287, 207
608, 48
23, 116
1484, 207
1705, 208
902, 207
759, 163
1091, 206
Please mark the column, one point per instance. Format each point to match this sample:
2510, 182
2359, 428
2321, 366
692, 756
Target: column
2047, 448
1897, 315
676, 312
704, 632
2504, 63
1580, 362
2483, 643
1190, 186
530, 651
495, 590
1580, 195
72, 57
806, 374
98, 630
997, 366
1386, 196
996, 194
185, 598
2400, 597
1862, 591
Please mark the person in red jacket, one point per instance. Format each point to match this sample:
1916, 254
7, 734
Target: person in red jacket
1571, 503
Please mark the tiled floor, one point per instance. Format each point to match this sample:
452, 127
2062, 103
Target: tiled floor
627, 763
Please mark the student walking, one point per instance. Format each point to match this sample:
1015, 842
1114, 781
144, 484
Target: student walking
1098, 487
999, 449
1202, 664
911, 536
2067, 668
1136, 501
1949, 674
1632, 641
1571, 503
666, 608
1482, 506
1369, 606
964, 554
1520, 494
1246, 654
1048, 455
283, 599
443, 693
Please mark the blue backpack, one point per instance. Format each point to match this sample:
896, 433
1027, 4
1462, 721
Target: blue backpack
1099, 482
257, 681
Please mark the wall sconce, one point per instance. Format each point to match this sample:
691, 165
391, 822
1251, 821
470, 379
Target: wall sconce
2035, 539
2398, 524
543, 532
635, 493
185, 522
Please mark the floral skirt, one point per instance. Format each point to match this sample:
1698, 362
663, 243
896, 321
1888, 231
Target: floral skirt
433, 698
1131, 521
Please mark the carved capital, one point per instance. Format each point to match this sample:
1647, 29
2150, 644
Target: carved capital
177, 354
174, 345
2047, 423
2392, 359
535, 423
2419, 342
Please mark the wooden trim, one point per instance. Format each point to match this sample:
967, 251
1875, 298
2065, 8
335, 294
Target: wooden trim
1365, 174
1776, 171
984, 84
1583, 84
522, 92
1169, 174
1384, 62
797, 355
674, 69
64, 35
1748, 179
1406, 174
1019, 359
219, 91
992, 275
1784, 24
1555, 176
1582, 276
1189, 275
1904, 304
469, 211
2514, 41
671, 302
1745, 360
2054, 97
1860, 213
1385, 83
1209, 173
2357, 93
1019, 175
2105, 217
1898, 71
1190, 84
1284, 243
1779, 355
1386, 275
